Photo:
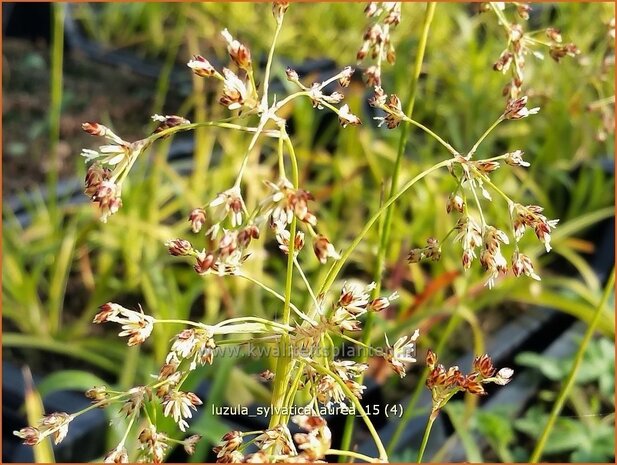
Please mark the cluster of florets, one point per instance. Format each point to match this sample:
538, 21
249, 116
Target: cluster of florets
444, 383
354, 301
190, 348
152, 444
228, 249
109, 166
239, 90
390, 105
376, 42
111, 163
230, 219
521, 43
320, 99
277, 444
478, 238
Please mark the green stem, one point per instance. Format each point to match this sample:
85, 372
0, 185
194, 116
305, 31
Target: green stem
279, 24
182, 322
308, 288
500, 16
354, 341
291, 395
221, 124
479, 205
284, 362
252, 340
387, 224
356, 455
567, 386
431, 133
244, 319
277, 295
55, 107
483, 136
427, 433
260, 128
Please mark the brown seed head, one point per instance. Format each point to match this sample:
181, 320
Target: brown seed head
201, 67
179, 247
484, 366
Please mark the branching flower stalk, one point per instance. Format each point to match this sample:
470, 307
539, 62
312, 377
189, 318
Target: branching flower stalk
387, 220
521, 43
304, 337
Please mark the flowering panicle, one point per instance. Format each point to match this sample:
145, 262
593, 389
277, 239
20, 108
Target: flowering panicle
517, 109
521, 43
229, 229
227, 450
228, 203
283, 202
109, 167
327, 391
354, 301
153, 444
238, 52
324, 249
98, 394
432, 251
282, 238
226, 258
521, 265
238, 93
491, 258
195, 345
474, 176
235, 92
203, 68
168, 121
137, 398
348, 370
117, 455
531, 216
197, 218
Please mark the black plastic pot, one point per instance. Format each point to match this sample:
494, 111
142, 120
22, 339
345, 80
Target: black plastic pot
30, 21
